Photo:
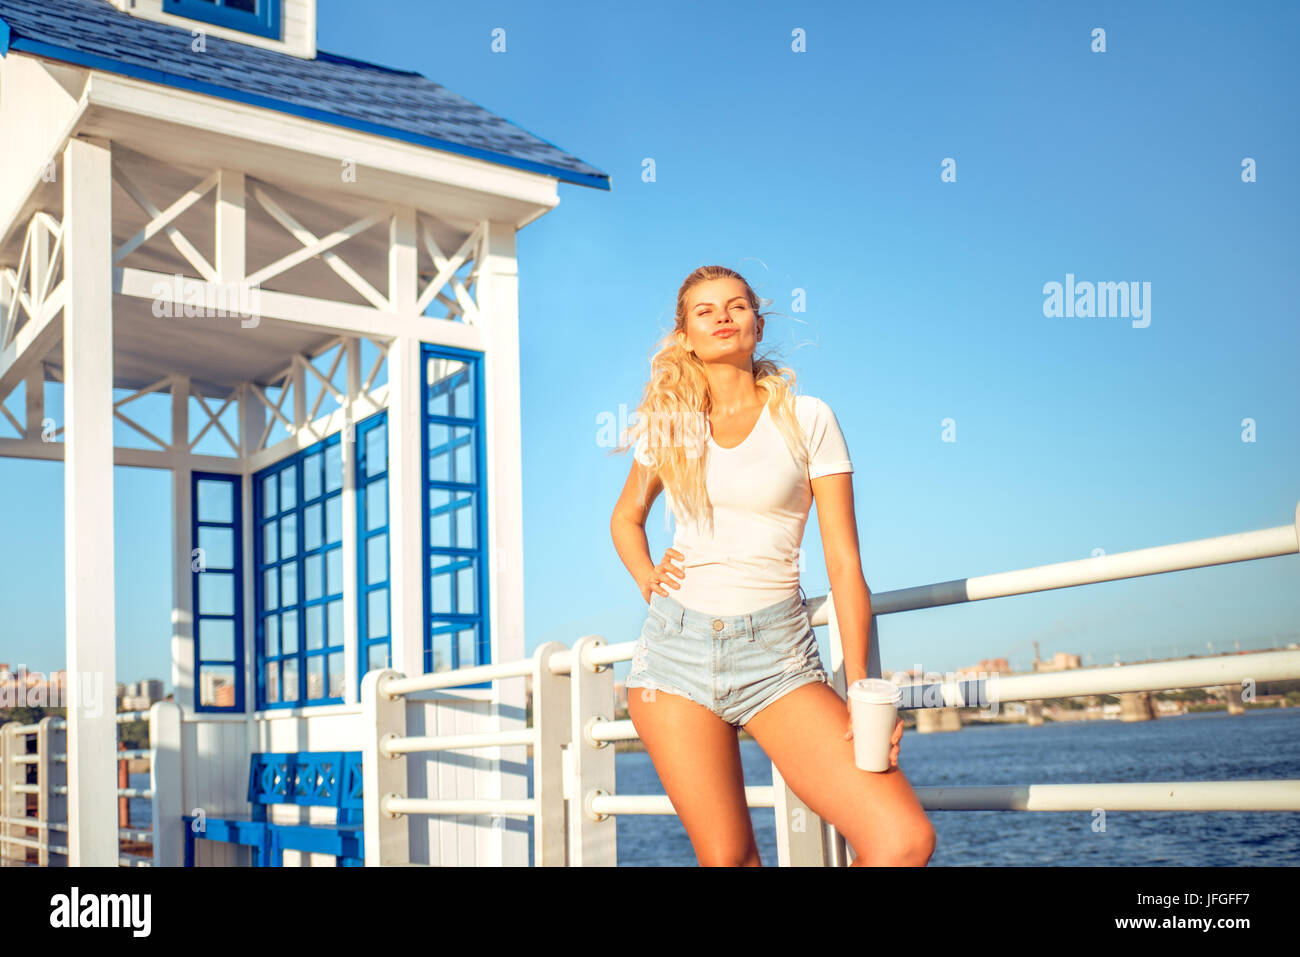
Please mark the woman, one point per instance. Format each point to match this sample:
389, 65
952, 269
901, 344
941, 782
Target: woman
742, 458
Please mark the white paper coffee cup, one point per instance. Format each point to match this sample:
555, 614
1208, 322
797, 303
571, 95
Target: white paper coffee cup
875, 712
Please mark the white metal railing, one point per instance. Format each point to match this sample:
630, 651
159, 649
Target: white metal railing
574, 803
51, 788
47, 763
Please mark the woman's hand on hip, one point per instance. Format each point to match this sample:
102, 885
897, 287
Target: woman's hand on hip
659, 575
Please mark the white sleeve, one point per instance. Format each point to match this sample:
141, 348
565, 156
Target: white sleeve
641, 452
827, 450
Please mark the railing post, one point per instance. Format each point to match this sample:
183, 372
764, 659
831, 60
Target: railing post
12, 803
551, 730
592, 839
165, 782
387, 836
53, 805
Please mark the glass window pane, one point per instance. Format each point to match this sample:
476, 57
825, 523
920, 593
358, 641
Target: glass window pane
378, 656
334, 467
270, 501
377, 504
334, 571
271, 625
377, 559
315, 619
218, 546
216, 501
311, 526
216, 639
450, 387
289, 633
336, 674
217, 686
291, 692
467, 584
335, 616
316, 676
313, 571
288, 584
216, 593
451, 518
289, 487
451, 585
376, 451
377, 613
465, 648
272, 682
271, 589
289, 535
451, 453
440, 637
311, 476
270, 542
334, 519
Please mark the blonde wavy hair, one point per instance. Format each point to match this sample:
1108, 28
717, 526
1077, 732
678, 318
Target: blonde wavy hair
673, 411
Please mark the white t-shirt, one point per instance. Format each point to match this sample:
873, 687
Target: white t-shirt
761, 499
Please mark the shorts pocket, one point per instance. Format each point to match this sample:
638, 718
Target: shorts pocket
787, 635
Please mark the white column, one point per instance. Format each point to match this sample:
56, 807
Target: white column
252, 422
88, 504
406, 513
498, 302
183, 677
351, 539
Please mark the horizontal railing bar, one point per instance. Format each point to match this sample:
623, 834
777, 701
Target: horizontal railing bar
621, 730
135, 792
25, 788
24, 842
451, 742
396, 687
1136, 796
1199, 553
759, 795
125, 716
1140, 796
1207, 672
24, 822
399, 805
133, 860
129, 834
134, 754
26, 758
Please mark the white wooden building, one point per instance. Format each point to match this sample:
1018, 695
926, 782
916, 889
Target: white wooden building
305, 267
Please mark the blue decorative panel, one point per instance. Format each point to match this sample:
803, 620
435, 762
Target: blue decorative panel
298, 585
455, 509
217, 581
374, 627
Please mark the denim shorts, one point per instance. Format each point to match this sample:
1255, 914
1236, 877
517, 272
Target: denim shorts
734, 665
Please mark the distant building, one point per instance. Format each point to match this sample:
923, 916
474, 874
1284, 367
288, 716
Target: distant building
1061, 661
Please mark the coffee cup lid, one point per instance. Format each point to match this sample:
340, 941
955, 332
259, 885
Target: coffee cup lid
875, 691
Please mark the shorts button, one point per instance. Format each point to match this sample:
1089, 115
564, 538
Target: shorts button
718, 624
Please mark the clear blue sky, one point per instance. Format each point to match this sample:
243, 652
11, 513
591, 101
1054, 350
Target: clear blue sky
821, 171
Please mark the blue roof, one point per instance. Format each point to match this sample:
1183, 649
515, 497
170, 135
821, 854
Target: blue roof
332, 89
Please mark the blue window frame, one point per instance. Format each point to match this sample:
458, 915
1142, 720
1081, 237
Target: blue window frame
374, 627
455, 526
260, 17
217, 578
298, 548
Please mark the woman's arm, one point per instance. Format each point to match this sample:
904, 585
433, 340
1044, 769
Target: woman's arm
839, 527
627, 527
